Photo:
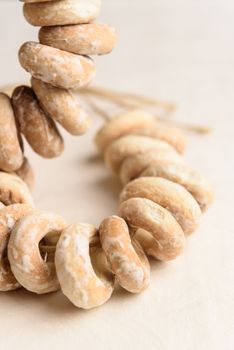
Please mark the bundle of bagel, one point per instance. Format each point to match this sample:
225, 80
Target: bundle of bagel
160, 205
162, 199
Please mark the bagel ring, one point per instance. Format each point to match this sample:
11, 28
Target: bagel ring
8, 217
32, 272
14, 190
127, 259
144, 214
76, 275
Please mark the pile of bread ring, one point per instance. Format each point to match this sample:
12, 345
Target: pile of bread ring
162, 199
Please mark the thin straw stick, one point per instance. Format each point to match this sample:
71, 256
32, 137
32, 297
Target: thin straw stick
110, 98
99, 111
128, 99
198, 129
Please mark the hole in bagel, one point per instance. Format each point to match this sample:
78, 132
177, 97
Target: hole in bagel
100, 263
47, 246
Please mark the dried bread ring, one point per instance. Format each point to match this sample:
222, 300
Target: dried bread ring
76, 275
145, 214
169, 195
26, 173
147, 242
127, 259
62, 12
134, 165
8, 217
192, 180
122, 125
130, 145
139, 122
165, 132
83, 39
63, 106
56, 67
31, 271
11, 156
13, 190
39, 130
